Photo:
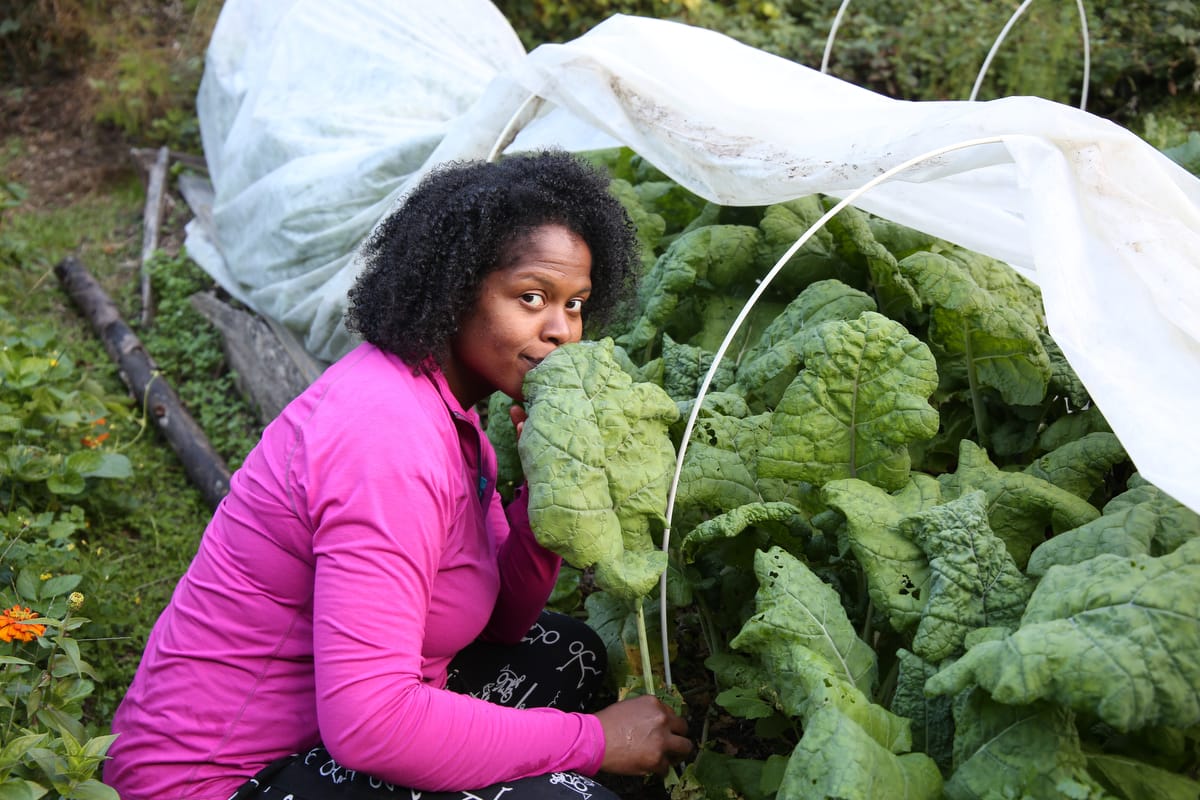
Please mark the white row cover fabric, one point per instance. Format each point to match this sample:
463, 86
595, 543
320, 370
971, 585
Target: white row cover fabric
1103, 222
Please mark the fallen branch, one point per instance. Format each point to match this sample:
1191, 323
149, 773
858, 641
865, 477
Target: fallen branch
147, 155
151, 222
204, 467
269, 365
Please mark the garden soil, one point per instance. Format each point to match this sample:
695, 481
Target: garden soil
65, 155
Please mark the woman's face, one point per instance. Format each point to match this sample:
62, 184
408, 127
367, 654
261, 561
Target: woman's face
526, 308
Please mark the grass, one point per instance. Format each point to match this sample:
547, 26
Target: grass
136, 545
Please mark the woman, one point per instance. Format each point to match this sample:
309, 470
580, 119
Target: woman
362, 548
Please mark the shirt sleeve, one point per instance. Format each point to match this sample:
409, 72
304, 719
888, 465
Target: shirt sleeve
380, 522
527, 572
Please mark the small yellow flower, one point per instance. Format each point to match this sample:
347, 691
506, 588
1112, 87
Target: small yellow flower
75, 601
54, 362
46, 576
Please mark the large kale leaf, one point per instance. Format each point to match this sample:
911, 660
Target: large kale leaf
1113, 636
598, 461
851, 413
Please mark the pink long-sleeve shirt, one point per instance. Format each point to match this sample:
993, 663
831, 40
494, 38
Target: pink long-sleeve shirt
360, 547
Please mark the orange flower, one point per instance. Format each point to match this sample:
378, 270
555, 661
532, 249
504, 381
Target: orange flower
93, 441
13, 625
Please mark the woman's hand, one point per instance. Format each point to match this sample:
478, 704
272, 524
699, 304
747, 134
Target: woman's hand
642, 735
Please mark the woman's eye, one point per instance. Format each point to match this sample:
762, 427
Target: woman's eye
533, 299
575, 305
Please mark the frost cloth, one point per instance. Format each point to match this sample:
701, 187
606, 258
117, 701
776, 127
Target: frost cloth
337, 110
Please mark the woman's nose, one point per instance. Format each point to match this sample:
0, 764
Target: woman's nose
557, 328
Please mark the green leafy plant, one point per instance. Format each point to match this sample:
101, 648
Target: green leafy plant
59, 434
912, 557
188, 350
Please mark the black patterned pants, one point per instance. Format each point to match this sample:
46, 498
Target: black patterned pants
559, 664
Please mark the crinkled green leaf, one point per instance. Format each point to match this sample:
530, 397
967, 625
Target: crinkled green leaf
1020, 506
768, 367
650, 226
1063, 379
598, 460
684, 368
897, 569
1132, 779
614, 619
901, 240
745, 703
720, 468
897, 296
714, 775
704, 320
713, 258
503, 435
1005, 285
1072, 426
738, 671
1080, 466
810, 651
932, 717
724, 526
798, 609
674, 203
1176, 523
782, 225
974, 333
1016, 751
975, 582
836, 758
716, 404
1124, 533
1115, 637
862, 397
1142, 520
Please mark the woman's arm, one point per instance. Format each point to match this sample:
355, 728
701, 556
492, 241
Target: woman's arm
527, 572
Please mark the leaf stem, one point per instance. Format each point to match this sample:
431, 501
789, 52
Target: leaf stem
707, 628
884, 696
973, 383
644, 647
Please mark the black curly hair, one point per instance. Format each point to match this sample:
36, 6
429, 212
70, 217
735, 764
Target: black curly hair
424, 264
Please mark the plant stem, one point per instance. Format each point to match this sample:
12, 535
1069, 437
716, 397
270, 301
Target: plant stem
973, 382
884, 696
644, 647
866, 634
707, 628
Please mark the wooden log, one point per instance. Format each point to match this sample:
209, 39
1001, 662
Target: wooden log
269, 366
151, 221
204, 467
